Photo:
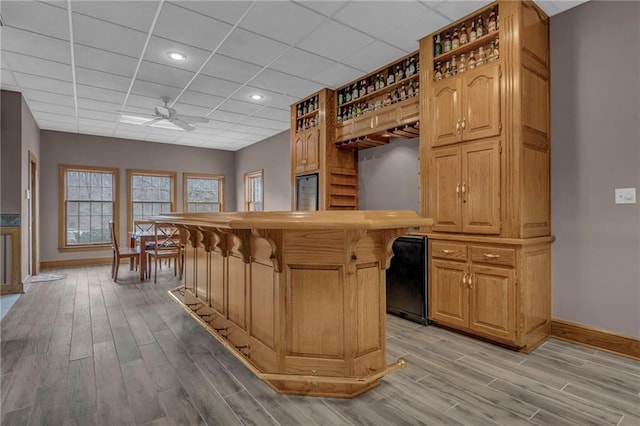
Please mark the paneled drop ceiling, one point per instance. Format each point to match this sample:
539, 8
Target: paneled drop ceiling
82, 65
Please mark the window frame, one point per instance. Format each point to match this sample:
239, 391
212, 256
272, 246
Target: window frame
62, 200
247, 199
204, 176
156, 173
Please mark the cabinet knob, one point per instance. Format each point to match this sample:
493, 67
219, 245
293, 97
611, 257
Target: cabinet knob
458, 189
464, 187
464, 123
469, 281
458, 127
491, 256
464, 280
446, 251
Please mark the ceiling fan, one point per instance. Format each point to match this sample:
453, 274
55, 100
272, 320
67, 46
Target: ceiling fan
166, 117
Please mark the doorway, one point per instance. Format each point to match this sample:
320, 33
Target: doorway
32, 215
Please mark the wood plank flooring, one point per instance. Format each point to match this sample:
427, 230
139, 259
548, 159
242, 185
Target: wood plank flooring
85, 350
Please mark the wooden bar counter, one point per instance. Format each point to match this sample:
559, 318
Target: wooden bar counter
298, 297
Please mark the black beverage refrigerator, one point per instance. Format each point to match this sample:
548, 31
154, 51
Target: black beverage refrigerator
407, 280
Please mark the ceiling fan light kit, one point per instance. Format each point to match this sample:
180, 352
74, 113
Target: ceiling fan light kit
165, 117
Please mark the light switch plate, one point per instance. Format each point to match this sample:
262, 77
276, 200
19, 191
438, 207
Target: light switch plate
625, 195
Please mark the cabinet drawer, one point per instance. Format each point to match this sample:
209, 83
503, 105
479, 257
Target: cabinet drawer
493, 255
453, 251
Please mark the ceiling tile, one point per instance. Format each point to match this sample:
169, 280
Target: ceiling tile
201, 99
252, 48
53, 116
374, 56
273, 114
455, 10
102, 79
101, 60
247, 131
111, 37
388, 14
36, 106
100, 94
272, 99
6, 79
49, 97
92, 104
213, 125
128, 134
95, 130
213, 86
37, 17
263, 122
36, 66
231, 69
154, 91
265, 18
159, 47
28, 81
57, 126
328, 40
324, 7
19, 41
89, 122
406, 36
98, 115
134, 14
300, 63
231, 135
228, 11
240, 107
186, 109
203, 32
229, 117
165, 75
337, 75
284, 83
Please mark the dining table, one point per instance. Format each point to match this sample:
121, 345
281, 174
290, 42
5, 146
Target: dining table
142, 239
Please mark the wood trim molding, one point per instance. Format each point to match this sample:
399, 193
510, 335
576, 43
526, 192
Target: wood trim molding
596, 338
75, 262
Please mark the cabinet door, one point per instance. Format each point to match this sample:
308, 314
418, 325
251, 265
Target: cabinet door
312, 153
446, 112
481, 187
445, 190
481, 102
298, 152
492, 301
448, 294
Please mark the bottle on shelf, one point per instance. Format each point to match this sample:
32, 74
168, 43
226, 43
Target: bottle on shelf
496, 53
299, 110
372, 86
447, 70
363, 88
416, 89
480, 30
493, 23
411, 91
473, 34
454, 66
340, 97
396, 96
403, 93
388, 100
481, 57
437, 46
462, 66
472, 61
350, 113
464, 38
455, 40
305, 107
347, 94
447, 42
339, 115
438, 71
399, 72
390, 76
355, 93
381, 81
412, 66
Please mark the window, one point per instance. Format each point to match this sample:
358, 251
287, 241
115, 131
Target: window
149, 194
253, 198
88, 201
202, 192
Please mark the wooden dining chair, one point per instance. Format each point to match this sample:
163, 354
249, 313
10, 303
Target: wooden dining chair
119, 253
167, 247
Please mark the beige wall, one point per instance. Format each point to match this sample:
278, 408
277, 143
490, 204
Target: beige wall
76, 149
30, 145
272, 156
595, 97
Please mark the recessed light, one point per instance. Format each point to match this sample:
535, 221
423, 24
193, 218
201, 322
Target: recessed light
257, 97
177, 56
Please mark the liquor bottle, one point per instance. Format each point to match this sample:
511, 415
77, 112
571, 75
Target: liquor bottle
455, 41
399, 72
305, 107
437, 46
492, 51
481, 57
312, 104
492, 25
412, 66
472, 61
438, 72
387, 101
418, 64
390, 76
447, 42
299, 111
447, 70
358, 109
407, 71
411, 91
347, 95
363, 88
473, 34
339, 115
454, 66
312, 121
403, 93
350, 113
372, 86
480, 30
355, 93
496, 53
416, 89
462, 66
395, 97
381, 81
464, 38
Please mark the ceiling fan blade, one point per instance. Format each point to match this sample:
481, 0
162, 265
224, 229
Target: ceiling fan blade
193, 118
155, 120
183, 124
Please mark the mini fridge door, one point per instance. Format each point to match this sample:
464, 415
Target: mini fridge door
307, 192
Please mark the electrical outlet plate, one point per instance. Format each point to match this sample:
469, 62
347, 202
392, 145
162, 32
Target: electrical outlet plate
625, 195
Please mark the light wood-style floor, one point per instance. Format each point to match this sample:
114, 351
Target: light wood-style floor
86, 350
